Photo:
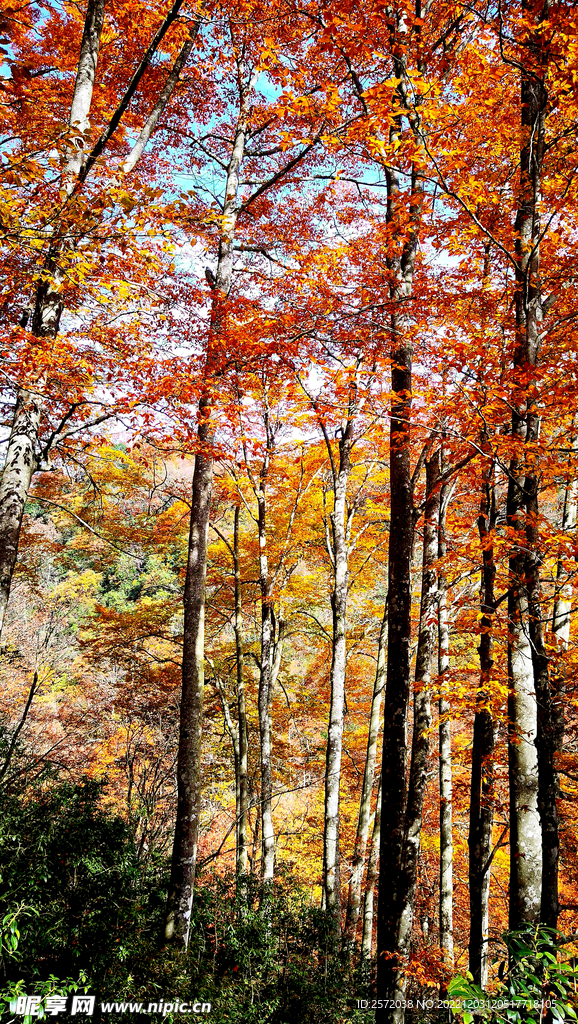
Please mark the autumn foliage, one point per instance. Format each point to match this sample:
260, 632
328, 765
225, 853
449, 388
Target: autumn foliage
288, 551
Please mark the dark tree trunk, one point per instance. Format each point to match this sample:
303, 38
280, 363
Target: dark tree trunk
243, 796
534, 835
393, 776
401, 537
183, 865
482, 785
446, 926
421, 723
184, 857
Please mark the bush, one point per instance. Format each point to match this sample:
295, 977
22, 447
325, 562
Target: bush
539, 982
70, 879
79, 910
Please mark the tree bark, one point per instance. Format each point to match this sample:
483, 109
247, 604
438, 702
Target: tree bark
184, 857
482, 785
372, 871
354, 897
243, 797
266, 670
421, 726
534, 833
271, 647
393, 779
445, 745
401, 266
340, 560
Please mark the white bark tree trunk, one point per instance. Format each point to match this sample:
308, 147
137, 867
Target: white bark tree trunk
339, 551
372, 870
533, 836
331, 855
354, 898
525, 829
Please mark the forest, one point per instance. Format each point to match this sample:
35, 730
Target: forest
288, 509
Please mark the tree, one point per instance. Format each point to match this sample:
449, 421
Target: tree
446, 927
482, 784
250, 123
364, 818
404, 218
191, 713
406, 886
75, 216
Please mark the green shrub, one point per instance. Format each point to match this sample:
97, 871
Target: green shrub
539, 982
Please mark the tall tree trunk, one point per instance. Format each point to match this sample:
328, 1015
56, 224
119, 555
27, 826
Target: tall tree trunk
243, 798
393, 777
421, 727
354, 897
446, 928
534, 830
401, 535
563, 600
482, 785
270, 648
184, 857
394, 786
266, 669
191, 711
21, 454
372, 871
340, 559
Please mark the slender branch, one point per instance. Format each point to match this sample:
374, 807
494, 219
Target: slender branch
152, 120
133, 85
20, 726
280, 173
222, 537
38, 497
